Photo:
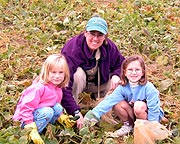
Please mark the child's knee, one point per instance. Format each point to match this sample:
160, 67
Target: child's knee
58, 109
44, 113
140, 107
49, 113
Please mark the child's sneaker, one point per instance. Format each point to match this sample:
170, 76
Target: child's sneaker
124, 130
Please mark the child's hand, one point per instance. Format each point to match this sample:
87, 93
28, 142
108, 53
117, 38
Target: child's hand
68, 120
34, 135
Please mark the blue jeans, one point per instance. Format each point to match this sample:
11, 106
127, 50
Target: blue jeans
45, 115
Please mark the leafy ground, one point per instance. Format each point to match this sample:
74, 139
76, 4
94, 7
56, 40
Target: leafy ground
32, 29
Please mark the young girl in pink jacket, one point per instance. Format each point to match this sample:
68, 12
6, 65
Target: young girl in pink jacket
40, 103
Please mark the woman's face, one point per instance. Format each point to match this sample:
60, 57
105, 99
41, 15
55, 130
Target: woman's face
134, 71
94, 39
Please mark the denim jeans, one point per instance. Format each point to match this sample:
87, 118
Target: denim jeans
45, 115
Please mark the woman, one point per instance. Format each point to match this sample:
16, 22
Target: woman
94, 62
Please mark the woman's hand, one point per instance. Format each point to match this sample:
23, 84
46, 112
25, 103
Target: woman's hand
80, 121
114, 82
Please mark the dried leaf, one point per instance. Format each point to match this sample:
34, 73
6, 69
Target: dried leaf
162, 60
165, 84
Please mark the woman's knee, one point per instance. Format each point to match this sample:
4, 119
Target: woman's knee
79, 82
79, 76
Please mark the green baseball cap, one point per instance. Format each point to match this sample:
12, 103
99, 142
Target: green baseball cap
97, 24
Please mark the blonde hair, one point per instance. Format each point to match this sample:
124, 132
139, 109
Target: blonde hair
124, 65
53, 61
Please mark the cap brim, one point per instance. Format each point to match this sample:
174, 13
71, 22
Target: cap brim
96, 28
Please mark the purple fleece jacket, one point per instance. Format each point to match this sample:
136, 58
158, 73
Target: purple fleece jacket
78, 54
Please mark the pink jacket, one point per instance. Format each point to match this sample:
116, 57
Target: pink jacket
36, 96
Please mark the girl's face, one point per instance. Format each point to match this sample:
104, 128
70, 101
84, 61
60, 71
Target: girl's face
94, 39
134, 71
56, 75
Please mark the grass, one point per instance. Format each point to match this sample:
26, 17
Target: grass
32, 29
